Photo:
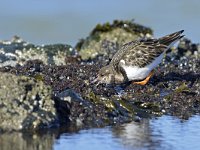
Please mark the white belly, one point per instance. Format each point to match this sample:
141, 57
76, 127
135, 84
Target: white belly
136, 73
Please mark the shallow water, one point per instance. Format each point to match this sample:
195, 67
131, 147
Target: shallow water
160, 133
49, 21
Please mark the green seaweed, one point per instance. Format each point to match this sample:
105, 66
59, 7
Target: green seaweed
182, 88
151, 105
93, 98
129, 26
126, 106
148, 107
39, 77
109, 104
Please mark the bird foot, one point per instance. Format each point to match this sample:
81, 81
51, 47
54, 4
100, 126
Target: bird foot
146, 80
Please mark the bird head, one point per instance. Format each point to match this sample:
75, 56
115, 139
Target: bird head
105, 75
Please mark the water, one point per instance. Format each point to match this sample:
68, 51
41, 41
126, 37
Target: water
50, 21
161, 133
61, 21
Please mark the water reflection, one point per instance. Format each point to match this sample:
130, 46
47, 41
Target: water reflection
135, 135
40, 140
25, 141
165, 132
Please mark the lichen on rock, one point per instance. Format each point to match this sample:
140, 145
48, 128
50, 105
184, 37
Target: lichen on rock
119, 32
25, 103
17, 52
174, 89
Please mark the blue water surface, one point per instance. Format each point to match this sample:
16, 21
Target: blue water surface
62, 21
163, 133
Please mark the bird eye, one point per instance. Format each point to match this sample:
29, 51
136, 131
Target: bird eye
101, 75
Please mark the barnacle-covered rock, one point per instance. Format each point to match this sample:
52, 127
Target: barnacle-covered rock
17, 52
25, 103
106, 39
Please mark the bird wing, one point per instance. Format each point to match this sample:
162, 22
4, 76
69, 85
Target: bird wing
138, 53
142, 52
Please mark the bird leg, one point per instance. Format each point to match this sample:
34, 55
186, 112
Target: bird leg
143, 82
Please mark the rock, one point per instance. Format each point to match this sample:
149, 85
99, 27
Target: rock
187, 48
18, 51
174, 89
72, 107
25, 103
119, 33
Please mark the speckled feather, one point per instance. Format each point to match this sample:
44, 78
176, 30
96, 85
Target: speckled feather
142, 52
136, 60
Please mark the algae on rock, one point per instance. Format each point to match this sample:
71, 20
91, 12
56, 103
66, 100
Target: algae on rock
25, 103
17, 52
119, 32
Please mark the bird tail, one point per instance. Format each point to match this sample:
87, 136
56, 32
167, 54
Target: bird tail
170, 39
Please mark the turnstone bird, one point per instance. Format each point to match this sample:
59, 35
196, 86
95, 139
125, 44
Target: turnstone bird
136, 60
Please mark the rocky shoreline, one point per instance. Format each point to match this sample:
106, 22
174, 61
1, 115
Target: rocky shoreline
48, 86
